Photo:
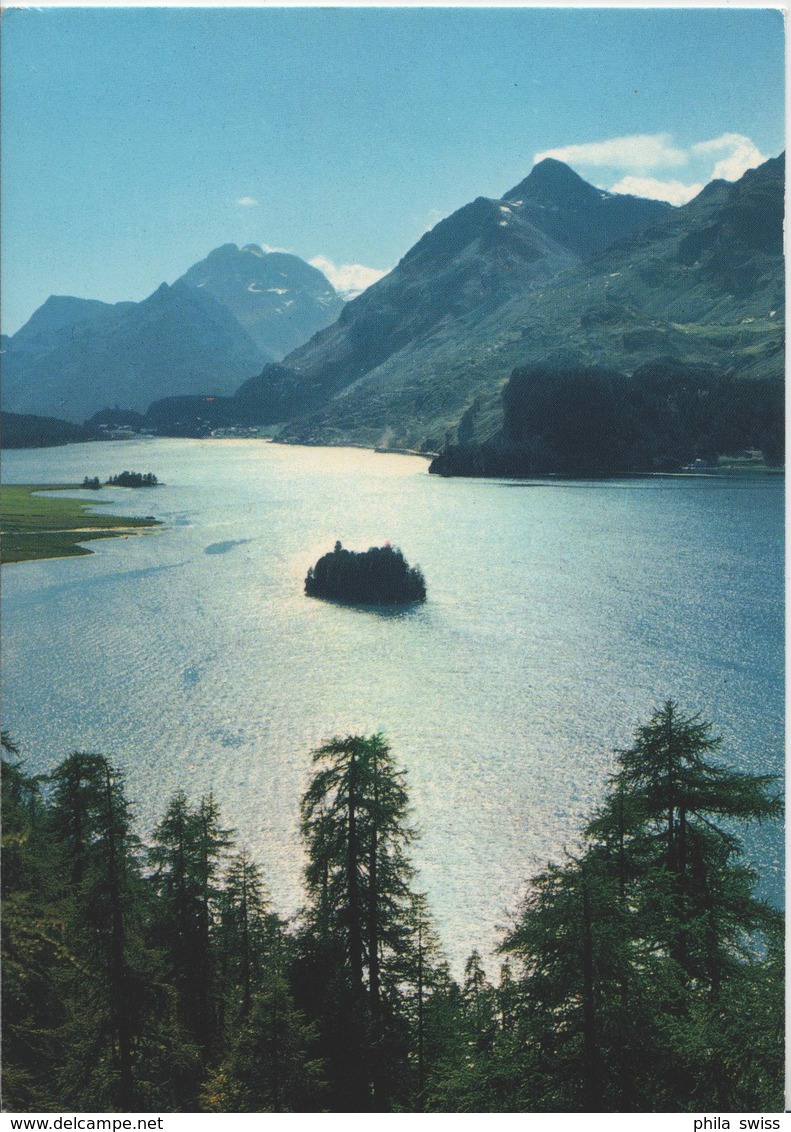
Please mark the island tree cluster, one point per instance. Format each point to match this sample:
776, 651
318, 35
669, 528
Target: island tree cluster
378, 576
123, 479
641, 973
133, 479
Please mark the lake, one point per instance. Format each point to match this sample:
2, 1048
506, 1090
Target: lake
559, 615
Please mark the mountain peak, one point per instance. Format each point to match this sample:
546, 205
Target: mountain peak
553, 182
60, 312
576, 214
224, 253
278, 298
551, 171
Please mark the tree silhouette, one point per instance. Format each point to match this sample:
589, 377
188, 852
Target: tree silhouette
354, 819
378, 576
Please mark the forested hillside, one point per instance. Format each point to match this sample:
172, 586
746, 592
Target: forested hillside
641, 973
587, 420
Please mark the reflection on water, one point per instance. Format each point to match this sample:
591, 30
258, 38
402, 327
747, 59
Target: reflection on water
390, 612
557, 619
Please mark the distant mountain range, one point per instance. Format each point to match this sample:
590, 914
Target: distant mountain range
215, 327
556, 278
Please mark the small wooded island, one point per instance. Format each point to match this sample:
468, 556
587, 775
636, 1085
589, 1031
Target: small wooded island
377, 576
123, 479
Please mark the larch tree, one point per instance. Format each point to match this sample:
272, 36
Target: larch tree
185, 858
99, 872
354, 820
634, 955
35, 952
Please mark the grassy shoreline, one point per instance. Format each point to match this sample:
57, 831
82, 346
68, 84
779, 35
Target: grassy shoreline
36, 527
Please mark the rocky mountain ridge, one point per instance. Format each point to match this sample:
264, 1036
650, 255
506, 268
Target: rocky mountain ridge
177, 339
212, 329
703, 283
466, 267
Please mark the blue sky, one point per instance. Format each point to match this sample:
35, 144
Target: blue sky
135, 140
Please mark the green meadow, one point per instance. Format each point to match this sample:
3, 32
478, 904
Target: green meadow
35, 526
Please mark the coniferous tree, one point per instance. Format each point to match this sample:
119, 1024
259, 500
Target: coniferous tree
477, 1021
186, 856
567, 949
671, 819
247, 937
629, 955
34, 948
96, 854
678, 800
424, 982
445, 1048
357, 930
479, 1003
265, 1065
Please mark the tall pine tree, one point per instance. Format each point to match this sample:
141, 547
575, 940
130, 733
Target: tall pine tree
186, 857
634, 957
357, 923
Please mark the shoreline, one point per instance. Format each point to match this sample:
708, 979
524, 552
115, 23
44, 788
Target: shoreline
39, 528
725, 472
708, 473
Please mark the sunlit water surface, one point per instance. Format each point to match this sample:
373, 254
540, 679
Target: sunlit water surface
559, 616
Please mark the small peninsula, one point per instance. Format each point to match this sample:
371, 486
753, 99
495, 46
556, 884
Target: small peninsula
377, 576
49, 526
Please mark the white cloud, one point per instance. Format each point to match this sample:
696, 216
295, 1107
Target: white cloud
741, 154
674, 192
349, 279
630, 160
247, 202
433, 218
639, 151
